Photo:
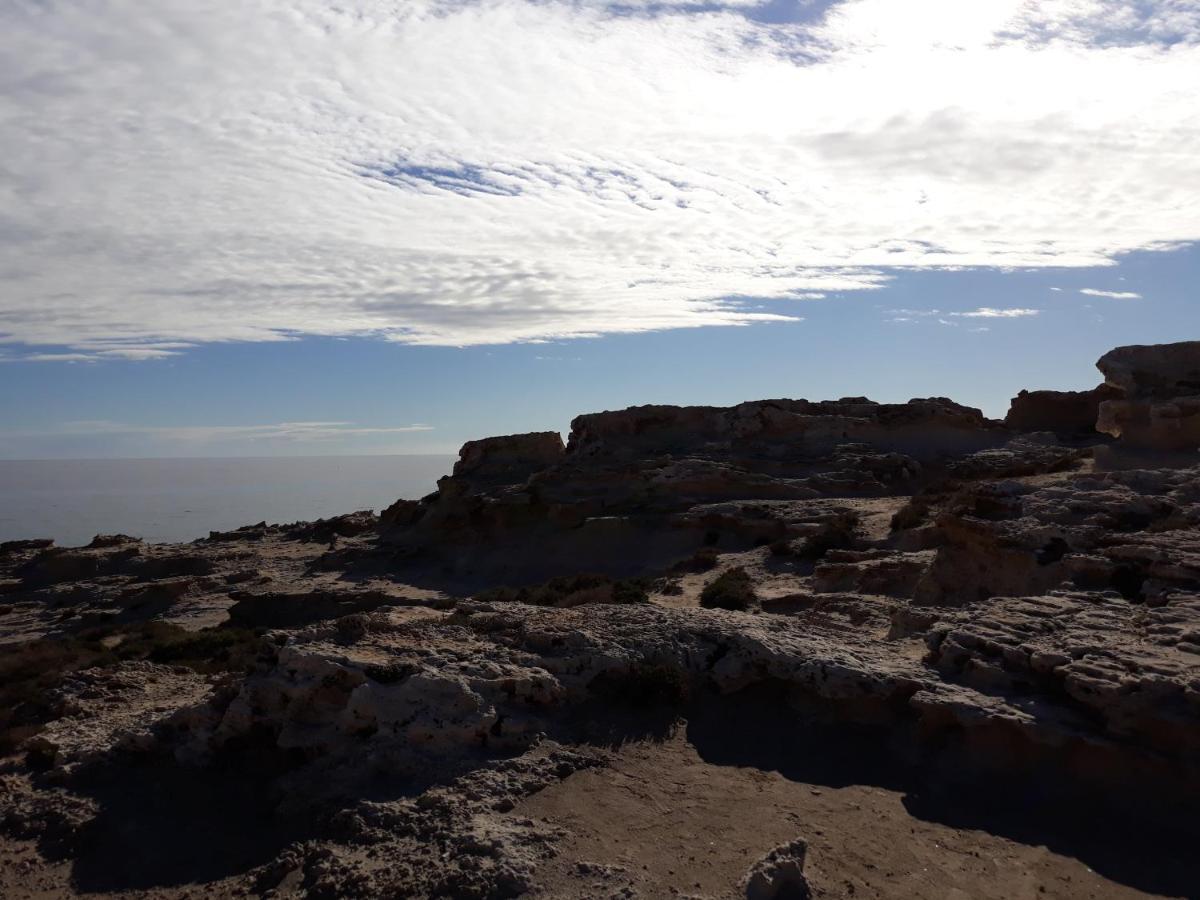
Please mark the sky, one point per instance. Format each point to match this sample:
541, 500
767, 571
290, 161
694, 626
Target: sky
368, 226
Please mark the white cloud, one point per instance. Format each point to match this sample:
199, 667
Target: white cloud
910, 315
1112, 295
983, 312
452, 172
988, 312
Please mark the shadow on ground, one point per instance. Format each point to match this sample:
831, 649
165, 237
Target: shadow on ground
1129, 840
163, 825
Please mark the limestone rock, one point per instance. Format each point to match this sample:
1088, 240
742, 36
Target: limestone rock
1031, 454
780, 874
1137, 669
1154, 371
1160, 404
121, 709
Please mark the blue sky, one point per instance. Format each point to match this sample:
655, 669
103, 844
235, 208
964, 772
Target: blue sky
300, 226
848, 345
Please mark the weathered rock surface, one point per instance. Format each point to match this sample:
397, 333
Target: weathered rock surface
1133, 669
780, 874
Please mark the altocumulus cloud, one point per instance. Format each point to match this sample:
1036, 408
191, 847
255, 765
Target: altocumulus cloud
449, 172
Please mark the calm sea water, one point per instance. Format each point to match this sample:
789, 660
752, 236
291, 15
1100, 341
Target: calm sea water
183, 499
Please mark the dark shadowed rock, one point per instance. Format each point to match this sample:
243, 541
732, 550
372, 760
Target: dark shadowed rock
1153, 371
1159, 407
1065, 413
23, 546
509, 459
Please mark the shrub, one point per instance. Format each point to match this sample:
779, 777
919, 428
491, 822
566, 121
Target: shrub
670, 587
911, 514
732, 589
643, 684
572, 590
836, 534
702, 560
210, 650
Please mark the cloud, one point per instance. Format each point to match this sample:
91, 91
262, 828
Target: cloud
1113, 295
983, 312
452, 172
910, 315
988, 312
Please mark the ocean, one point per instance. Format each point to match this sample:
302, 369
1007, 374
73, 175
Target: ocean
169, 500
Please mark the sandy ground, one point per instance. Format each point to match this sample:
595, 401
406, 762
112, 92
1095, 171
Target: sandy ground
665, 822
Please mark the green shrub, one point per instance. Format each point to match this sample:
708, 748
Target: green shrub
643, 684
732, 589
703, 560
573, 590
670, 587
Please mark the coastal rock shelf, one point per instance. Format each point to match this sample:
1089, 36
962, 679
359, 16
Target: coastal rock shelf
781, 649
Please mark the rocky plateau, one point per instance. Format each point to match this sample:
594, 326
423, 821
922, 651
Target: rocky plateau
776, 650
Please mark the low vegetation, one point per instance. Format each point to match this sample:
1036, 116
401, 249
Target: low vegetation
703, 560
574, 590
733, 589
643, 684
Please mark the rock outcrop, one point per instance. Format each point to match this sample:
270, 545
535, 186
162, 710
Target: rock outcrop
1067, 413
1159, 407
618, 498
510, 459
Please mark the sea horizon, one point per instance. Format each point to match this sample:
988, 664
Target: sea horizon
176, 499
